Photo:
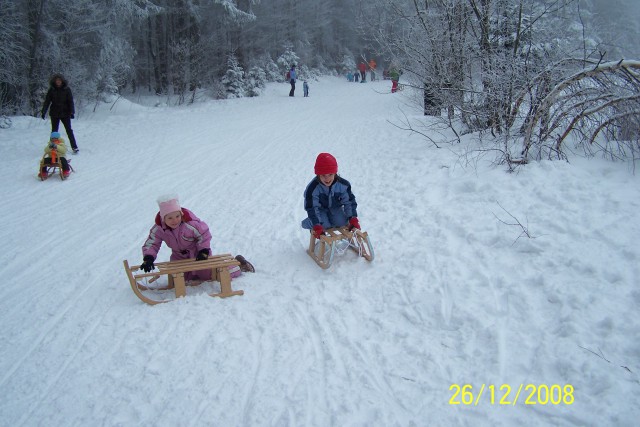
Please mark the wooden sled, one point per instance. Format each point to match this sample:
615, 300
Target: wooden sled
52, 168
322, 250
174, 270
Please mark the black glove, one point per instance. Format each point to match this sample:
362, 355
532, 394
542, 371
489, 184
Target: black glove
147, 264
73, 116
43, 115
202, 255
52, 145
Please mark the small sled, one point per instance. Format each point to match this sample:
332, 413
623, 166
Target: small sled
52, 168
145, 287
334, 240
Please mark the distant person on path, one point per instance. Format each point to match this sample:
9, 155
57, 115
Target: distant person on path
328, 199
363, 71
356, 76
349, 76
187, 236
55, 151
59, 102
305, 88
394, 75
292, 80
372, 68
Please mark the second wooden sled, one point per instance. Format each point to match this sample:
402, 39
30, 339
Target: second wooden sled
174, 270
322, 250
52, 168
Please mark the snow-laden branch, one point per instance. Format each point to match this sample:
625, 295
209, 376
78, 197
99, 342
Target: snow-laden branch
236, 14
605, 93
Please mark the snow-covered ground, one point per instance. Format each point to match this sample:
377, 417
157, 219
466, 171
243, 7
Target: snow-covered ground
455, 296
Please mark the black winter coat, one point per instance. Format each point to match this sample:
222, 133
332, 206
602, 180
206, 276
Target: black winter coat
60, 99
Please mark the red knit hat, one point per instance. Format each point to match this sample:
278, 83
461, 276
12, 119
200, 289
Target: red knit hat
325, 164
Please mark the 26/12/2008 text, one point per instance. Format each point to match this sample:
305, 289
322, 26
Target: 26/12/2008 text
530, 394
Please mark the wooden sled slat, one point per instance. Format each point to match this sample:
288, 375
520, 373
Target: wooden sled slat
175, 270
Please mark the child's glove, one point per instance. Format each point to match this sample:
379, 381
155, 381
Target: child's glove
202, 255
147, 263
318, 231
353, 223
52, 145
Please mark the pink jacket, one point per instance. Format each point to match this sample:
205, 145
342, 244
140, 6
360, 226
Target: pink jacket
185, 241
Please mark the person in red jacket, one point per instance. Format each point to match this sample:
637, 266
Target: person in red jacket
363, 71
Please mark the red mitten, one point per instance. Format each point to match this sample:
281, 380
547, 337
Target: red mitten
318, 231
353, 223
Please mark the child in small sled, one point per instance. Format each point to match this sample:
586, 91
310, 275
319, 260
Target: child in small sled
54, 157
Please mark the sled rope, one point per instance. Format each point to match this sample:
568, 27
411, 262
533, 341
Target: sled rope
341, 249
355, 243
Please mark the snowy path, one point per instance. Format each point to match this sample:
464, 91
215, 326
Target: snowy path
450, 298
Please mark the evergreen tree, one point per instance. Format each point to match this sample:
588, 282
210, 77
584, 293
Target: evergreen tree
287, 59
233, 80
255, 81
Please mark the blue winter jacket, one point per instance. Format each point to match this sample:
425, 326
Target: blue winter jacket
292, 74
320, 199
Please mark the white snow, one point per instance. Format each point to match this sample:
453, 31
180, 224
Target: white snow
455, 296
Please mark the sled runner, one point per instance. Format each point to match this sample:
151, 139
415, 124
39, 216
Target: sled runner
52, 168
336, 240
148, 289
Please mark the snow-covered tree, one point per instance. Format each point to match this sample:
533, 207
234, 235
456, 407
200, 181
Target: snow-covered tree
255, 81
270, 68
13, 53
491, 64
348, 63
287, 59
233, 80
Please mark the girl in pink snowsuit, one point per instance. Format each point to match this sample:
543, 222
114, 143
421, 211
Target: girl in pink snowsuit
186, 235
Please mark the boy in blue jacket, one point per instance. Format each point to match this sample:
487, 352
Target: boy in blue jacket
328, 199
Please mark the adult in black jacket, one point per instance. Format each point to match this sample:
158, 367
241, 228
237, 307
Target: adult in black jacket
59, 102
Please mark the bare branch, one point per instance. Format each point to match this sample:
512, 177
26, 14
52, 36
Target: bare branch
524, 230
413, 130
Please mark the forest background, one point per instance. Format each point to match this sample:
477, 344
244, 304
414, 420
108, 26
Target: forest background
496, 65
